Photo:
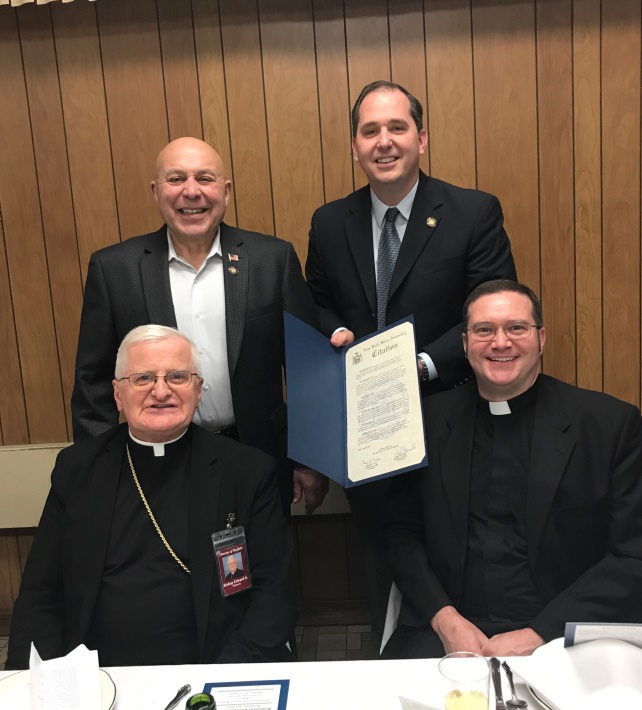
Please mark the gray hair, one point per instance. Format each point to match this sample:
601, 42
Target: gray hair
151, 332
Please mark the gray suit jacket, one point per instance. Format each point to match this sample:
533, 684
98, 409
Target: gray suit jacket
128, 285
584, 509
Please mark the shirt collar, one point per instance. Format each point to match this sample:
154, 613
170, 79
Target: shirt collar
516, 404
379, 208
159, 447
216, 248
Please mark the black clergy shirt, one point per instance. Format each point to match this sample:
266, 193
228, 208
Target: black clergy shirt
144, 613
499, 593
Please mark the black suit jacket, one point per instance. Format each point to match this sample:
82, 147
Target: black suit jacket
584, 509
128, 285
64, 570
436, 269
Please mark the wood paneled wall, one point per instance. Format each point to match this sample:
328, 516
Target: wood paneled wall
537, 101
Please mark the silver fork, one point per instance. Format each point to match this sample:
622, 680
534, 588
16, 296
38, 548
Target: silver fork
497, 683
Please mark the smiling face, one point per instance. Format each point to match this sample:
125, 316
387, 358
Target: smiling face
161, 413
504, 368
190, 189
387, 144
231, 564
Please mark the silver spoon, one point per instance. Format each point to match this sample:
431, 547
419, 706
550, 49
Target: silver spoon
514, 702
182, 692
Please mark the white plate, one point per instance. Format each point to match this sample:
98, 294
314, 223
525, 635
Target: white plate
539, 702
592, 676
19, 681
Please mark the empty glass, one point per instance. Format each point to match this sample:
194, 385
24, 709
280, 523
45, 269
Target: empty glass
468, 678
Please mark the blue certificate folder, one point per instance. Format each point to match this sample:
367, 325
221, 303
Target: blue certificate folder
316, 393
284, 687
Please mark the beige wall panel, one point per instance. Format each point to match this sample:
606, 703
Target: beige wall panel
211, 81
408, 53
86, 130
179, 69
588, 192
25, 248
13, 417
291, 99
136, 106
39, 58
246, 110
368, 51
451, 102
556, 184
25, 481
621, 195
506, 122
334, 101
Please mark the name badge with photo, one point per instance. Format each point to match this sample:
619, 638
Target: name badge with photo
233, 567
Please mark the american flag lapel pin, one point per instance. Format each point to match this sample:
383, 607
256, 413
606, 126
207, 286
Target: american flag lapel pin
232, 257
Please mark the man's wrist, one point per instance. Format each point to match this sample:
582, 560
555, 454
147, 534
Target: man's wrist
444, 615
424, 373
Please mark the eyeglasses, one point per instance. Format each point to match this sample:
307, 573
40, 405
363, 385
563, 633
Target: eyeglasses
175, 379
513, 331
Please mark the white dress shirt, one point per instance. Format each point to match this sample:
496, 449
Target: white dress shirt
199, 304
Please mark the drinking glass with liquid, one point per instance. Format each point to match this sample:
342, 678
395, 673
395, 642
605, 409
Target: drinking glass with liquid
468, 678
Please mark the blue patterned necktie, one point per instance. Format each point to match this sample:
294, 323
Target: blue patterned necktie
389, 244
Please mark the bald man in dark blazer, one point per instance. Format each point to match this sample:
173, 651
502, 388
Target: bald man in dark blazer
128, 284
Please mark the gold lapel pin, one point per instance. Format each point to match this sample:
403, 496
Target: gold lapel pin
233, 270
431, 222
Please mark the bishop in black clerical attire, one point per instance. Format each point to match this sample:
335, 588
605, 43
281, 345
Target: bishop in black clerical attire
529, 514
123, 559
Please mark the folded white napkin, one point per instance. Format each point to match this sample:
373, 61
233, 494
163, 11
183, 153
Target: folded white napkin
68, 683
592, 676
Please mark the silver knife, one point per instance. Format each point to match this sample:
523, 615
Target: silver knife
497, 683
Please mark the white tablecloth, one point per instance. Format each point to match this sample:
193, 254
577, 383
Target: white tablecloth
332, 685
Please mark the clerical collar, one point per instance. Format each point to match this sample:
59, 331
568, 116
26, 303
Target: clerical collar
499, 408
516, 404
159, 448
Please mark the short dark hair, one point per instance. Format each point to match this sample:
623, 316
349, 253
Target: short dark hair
498, 286
416, 109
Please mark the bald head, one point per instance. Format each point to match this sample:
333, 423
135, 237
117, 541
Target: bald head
186, 148
191, 191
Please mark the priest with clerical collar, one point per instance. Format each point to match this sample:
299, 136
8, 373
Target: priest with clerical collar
123, 558
529, 513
